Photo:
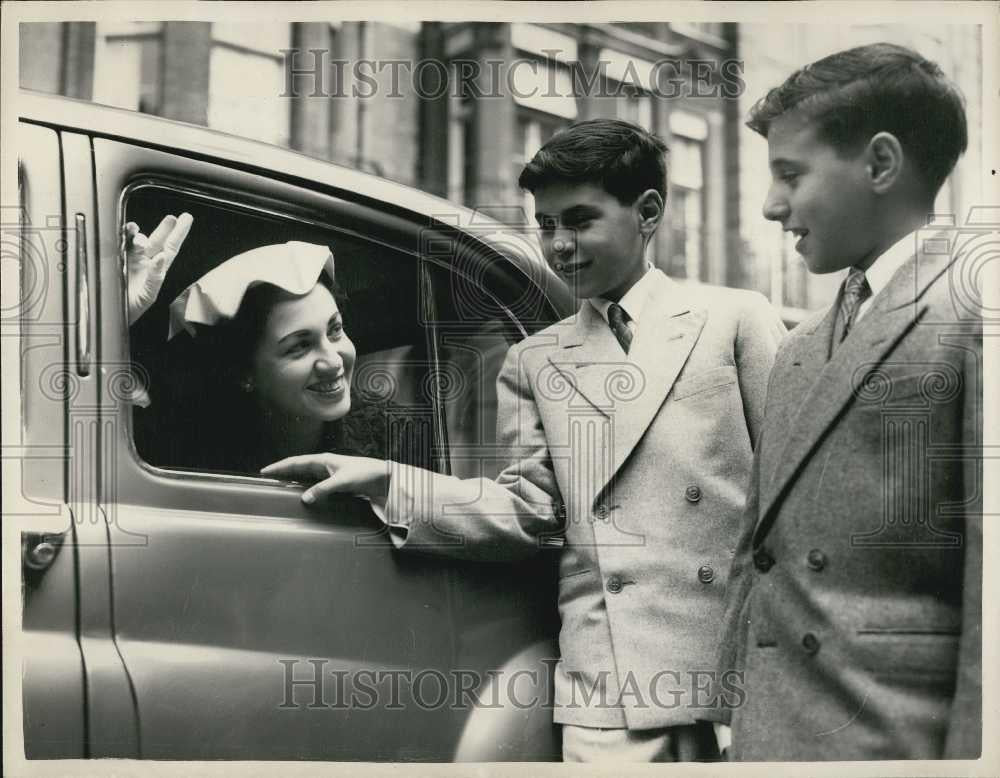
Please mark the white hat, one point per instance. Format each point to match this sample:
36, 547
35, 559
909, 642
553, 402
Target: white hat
293, 266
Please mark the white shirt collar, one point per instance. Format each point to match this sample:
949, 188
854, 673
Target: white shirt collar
892, 259
632, 302
885, 266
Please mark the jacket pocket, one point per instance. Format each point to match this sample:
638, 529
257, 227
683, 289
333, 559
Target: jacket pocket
888, 388
710, 379
926, 653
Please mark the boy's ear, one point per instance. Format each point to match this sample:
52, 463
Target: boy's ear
650, 208
884, 161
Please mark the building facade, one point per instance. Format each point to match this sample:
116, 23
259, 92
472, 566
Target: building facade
457, 108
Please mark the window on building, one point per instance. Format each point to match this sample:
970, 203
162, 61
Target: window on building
127, 66
534, 129
541, 86
630, 79
636, 106
709, 32
649, 29
687, 202
543, 42
246, 77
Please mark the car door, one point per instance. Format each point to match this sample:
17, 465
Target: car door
36, 495
250, 626
76, 693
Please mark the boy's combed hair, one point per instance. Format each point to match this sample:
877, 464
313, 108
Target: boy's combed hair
623, 158
882, 87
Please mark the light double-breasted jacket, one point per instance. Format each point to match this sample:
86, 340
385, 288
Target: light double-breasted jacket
637, 467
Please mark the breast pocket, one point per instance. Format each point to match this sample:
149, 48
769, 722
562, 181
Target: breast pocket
705, 382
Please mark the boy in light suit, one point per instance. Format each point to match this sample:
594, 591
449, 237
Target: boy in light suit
854, 602
629, 429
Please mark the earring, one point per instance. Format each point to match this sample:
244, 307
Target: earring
246, 385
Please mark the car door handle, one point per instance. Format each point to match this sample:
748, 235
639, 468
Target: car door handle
39, 550
83, 299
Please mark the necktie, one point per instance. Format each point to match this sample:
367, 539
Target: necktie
856, 291
618, 321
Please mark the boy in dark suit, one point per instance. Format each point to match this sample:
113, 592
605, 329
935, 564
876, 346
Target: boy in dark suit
629, 430
854, 602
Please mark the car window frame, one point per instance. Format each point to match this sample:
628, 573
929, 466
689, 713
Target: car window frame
257, 204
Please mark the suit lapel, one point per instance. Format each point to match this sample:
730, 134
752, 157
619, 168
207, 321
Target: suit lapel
796, 376
629, 390
669, 329
828, 386
588, 357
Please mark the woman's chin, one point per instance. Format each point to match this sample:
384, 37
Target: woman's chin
334, 410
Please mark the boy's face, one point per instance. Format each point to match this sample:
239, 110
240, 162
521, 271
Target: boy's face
820, 195
591, 240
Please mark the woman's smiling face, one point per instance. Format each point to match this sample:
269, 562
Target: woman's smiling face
303, 363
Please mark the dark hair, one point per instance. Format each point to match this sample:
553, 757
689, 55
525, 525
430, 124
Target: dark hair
623, 158
854, 94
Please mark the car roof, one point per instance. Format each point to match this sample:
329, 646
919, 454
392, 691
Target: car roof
199, 141
146, 129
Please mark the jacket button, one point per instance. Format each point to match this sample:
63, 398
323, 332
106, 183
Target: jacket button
706, 574
816, 559
614, 584
810, 643
762, 560
602, 512
692, 493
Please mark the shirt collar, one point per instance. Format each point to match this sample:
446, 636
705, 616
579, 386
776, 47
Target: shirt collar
892, 259
632, 302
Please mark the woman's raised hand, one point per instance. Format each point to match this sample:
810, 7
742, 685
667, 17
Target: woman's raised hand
148, 260
333, 473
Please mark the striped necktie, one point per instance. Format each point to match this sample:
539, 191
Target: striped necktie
618, 321
856, 291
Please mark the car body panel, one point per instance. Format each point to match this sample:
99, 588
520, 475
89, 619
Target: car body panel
112, 729
35, 488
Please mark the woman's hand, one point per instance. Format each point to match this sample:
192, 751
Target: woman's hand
334, 473
148, 260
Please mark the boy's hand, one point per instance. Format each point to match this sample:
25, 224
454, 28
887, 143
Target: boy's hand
334, 473
148, 259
